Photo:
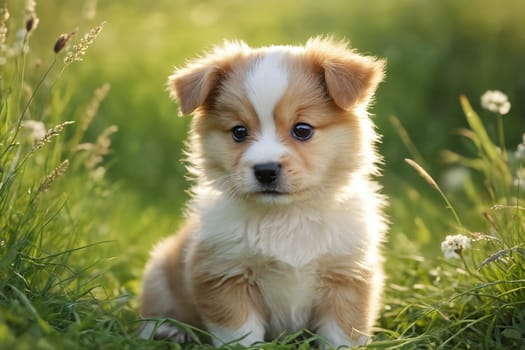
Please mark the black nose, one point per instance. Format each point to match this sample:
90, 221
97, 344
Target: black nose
267, 173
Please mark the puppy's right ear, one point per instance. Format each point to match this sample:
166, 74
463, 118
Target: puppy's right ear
192, 85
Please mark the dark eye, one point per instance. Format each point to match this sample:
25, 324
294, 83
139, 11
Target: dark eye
302, 131
239, 133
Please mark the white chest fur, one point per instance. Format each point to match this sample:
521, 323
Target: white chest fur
295, 235
289, 293
282, 248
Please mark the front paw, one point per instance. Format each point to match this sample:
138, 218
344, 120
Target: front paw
163, 330
249, 333
334, 337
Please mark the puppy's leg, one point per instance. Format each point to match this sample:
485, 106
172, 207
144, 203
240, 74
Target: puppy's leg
165, 293
163, 330
230, 306
347, 305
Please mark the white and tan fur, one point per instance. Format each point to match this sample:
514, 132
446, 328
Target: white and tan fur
256, 260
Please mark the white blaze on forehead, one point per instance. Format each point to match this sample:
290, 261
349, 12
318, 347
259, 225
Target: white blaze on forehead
265, 84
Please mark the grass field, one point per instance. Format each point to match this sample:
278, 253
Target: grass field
90, 176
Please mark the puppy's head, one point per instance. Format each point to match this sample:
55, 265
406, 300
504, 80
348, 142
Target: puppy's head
281, 123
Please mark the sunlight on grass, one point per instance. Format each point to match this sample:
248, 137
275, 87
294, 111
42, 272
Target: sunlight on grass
54, 205
90, 177
483, 286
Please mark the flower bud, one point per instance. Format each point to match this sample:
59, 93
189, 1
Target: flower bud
31, 23
62, 40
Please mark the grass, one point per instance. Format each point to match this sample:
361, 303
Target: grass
74, 237
478, 300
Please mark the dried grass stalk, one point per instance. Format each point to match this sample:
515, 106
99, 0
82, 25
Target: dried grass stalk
46, 182
79, 50
423, 173
55, 131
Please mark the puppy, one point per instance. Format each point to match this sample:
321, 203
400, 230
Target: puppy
285, 225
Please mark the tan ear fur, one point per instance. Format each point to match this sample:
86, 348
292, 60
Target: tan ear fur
192, 85
351, 79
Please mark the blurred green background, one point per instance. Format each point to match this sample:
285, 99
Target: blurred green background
88, 236
436, 50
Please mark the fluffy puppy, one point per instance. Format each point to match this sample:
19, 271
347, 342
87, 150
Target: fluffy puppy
285, 225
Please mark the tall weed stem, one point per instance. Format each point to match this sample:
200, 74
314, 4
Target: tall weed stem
426, 176
26, 107
501, 135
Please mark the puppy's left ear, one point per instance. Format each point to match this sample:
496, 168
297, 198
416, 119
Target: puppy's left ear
351, 79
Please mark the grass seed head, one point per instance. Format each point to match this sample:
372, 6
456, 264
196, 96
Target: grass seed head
32, 23
46, 182
96, 151
101, 148
30, 6
55, 131
4, 14
98, 96
32, 19
62, 40
90, 9
423, 173
79, 50
4, 17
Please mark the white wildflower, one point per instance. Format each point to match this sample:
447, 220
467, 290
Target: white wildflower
36, 130
455, 178
454, 245
519, 180
495, 101
19, 45
520, 151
